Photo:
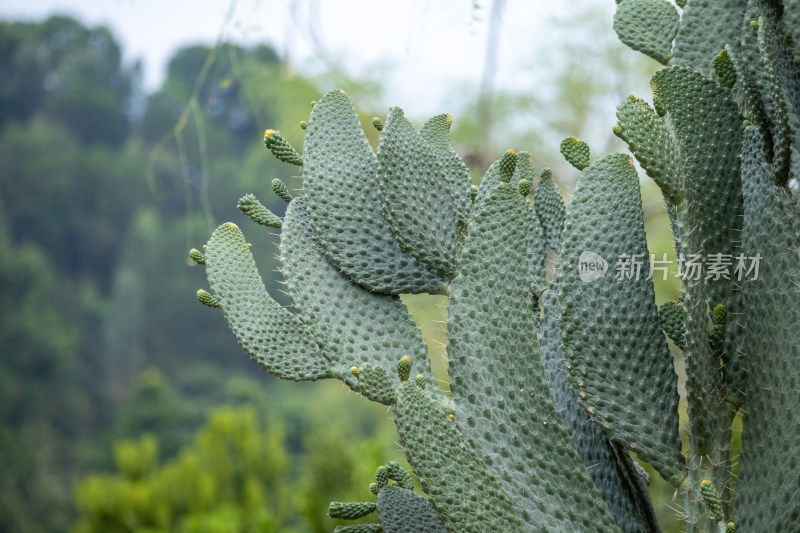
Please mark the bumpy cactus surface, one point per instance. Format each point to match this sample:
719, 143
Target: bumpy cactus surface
554, 380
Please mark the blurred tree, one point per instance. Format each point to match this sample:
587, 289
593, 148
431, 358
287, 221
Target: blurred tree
237, 476
71, 73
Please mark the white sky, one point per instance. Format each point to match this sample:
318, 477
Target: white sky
428, 54
432, 45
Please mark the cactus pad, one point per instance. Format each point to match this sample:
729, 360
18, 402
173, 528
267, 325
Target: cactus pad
353, 326
270, 334
421, 211
767, 488
617, 356
652, 145
706, 27
647, 26
576, 152
340, 181
466, 496
504, 406
401, 511
549, 206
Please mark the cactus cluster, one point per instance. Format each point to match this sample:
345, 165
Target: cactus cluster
554, 380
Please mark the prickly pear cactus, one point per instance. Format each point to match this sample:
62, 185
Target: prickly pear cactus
553, 382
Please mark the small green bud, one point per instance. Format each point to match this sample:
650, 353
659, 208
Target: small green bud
451, 413
374, 488
711, 498
673, 321
420, 381
746, 122
681, 3
618, 131
474, 192
313, 103
350, 510
206, 299
378, 123
250, 206
197, 257
546, 173
576, 152
404, 368
281, 148
507, 165
723, 67
721, 316
281, 190
303, 124
382, 476
355, 371
524, 187
730, 527
754, 24
720, 321
400, 475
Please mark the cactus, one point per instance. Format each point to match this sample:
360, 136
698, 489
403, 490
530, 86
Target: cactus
554, 382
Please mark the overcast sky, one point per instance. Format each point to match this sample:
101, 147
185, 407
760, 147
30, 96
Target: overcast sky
429, 55
431, 45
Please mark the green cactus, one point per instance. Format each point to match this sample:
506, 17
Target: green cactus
576, 152
555, 381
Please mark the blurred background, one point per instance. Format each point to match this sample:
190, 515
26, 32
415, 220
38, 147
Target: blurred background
128, 130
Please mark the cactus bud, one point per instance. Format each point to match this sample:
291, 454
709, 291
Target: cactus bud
723, 67
681, 3
711, 498
206, 299
720, 321
281, 148
546, 173
400, 475
382, 476
617, 130
350, 510
281, 190
374, 488
754, 24
404, 368
197, 257
730, 527
313, 103
303, 124
250, 206
508, 163
673, 322
576, 152
524, 187
355, 371
420, 381
378, 123
474, 192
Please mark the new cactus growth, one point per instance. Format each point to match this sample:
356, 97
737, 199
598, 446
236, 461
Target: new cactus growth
555, 382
